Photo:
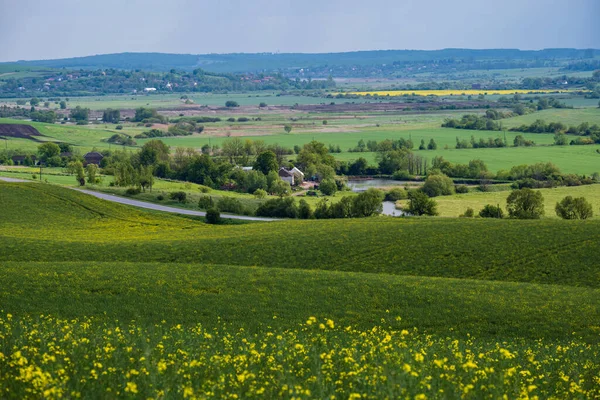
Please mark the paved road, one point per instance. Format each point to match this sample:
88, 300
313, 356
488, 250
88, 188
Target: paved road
13, 180
158, 207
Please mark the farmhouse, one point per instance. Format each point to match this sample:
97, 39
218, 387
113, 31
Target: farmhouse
92, 157
23, 160
292, 176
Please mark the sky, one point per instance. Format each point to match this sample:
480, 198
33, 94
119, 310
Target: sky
32, 30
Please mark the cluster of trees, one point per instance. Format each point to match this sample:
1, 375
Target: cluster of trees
111, 116
520, 141
481, 143
475, 122
591, 132
220, 170
475, 169
178, 129
121, 139
148, 115
48, 117
80, 115
93, 82
490, 121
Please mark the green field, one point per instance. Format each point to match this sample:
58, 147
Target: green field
345, 131
166, 101
98, 297
565, 115
455, 205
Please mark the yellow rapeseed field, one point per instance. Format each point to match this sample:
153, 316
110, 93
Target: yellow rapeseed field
471, 92
45, 357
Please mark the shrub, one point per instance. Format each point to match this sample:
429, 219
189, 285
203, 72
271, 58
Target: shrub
461, 189
491, 211
328, 187
160, 197
283, 207
420, 204
230, 205
231, 103
525, 204
574, 208
119, 127
213, 216
206, 202
438, 185
367, 203
304, 210
396, 194
180, 196
402, 175
132, 191
260, 193
204, 189
469, 213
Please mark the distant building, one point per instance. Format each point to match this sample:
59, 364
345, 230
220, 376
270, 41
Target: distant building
292, 176
92, 157
149, 89
20, 160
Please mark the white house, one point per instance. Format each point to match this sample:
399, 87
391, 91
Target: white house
149, 89
291, 176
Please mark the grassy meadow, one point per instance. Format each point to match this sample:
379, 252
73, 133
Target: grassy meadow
455, 205
129, 303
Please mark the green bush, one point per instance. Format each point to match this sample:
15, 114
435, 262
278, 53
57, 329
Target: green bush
206, 202
525, 204
132, 191
180, 196
574, 208
491, 211
328, 187
461, 189
230, 205
260, 193
438, 185
420, 204
469, 213
213, 216
396, 194
283, 207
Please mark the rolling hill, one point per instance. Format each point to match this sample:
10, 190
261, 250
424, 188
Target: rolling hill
246, 62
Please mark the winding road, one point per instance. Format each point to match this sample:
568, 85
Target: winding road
150, 206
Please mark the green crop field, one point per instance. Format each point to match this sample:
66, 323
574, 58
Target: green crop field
99, 297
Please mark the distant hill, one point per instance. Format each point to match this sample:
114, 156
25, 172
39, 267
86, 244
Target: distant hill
268, 62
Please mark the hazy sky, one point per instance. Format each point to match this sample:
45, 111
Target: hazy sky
44, 29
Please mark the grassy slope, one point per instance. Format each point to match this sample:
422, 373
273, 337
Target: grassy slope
251, 296
93, 230
71, 255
